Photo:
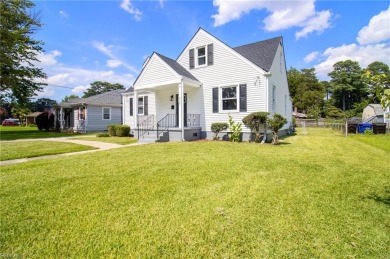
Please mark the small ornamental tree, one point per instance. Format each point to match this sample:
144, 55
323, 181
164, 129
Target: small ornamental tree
217, 127
235, 128
276, 123
254, 121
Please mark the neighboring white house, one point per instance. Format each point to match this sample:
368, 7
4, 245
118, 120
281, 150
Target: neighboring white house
90, 114
373, 113
180, 99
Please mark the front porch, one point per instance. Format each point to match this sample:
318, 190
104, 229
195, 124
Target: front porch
167, 128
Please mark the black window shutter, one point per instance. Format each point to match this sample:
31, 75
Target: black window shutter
131, 107
242, 97
145, 105
192, 60
215, 100
210, 54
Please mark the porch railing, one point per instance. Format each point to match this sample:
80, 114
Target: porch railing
168, 121
145, 126
193, 120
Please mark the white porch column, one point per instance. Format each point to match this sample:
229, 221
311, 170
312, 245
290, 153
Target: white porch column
181, 109
61, 118
135, 109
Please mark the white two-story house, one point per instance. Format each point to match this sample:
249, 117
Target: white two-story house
180, 99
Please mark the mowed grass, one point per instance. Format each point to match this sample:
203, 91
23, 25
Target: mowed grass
114, 140
16, 150
14, 133
319, 195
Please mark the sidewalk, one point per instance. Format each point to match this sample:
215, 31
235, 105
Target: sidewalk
100, 146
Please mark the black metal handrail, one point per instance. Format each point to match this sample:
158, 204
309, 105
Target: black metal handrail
168, 121
193, 120
145, 126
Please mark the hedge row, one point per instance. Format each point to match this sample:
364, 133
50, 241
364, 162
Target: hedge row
118, 130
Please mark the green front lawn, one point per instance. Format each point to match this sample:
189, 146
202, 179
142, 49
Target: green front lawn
13, 133
319, 195
16, 150
114, 140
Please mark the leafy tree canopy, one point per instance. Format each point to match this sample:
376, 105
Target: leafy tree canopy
69, 97
19, 78
378, 79
39, 105
100, 87
348, 86
305, 88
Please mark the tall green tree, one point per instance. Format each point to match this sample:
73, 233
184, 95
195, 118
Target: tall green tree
378, 79
39, 105
69, 97
19, 77
305, 88
100, 87
348, 85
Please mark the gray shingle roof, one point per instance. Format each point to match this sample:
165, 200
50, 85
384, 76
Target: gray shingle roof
260, 53
112, 97
177, 67
377, 108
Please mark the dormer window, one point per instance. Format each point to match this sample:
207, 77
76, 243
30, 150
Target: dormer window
201, 56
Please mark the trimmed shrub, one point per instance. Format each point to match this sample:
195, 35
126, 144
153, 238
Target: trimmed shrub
254, 121
111, 130
217, 127
122, 130
102, 135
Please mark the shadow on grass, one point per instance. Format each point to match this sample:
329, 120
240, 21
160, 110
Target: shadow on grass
32, 134
381, 198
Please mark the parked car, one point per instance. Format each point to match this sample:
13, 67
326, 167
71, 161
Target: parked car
11, 122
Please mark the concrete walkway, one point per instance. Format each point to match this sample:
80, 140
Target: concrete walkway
96, 144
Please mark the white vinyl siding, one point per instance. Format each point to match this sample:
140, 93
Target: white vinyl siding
228, 67
283, 103
129, 120
155, 72
106, 113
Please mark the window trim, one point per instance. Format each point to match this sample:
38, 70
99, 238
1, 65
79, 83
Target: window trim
143, 105
197, 56
221, 99
109, 113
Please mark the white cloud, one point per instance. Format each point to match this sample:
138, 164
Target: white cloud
318, 23
112, 63
377, 30
109, 51
47, 91
63, 14
80, 89
128, 7
283, 14
311, 56
363, 54
48, 59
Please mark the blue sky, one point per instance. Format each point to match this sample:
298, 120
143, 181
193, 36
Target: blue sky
87, 41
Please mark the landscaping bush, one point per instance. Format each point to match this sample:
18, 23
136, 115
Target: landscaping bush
122, 130
32, 125
254, 121
217, 127
111, 130
45, 121
102, 135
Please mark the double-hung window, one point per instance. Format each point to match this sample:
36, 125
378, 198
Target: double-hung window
140, 106
201, 56
229, 98
106, 112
